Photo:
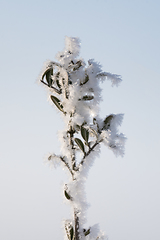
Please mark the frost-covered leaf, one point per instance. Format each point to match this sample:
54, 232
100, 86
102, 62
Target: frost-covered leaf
67, 195
50, 157
94, 120
115, 79
44, 73
84, 133
86, 232
77, 65
49, 75
57, 79
112, 146
93, 131
77, 127
53, 160
80, 144
85, 80
107, 121
87, 98
57, 102
58, 84
71, 233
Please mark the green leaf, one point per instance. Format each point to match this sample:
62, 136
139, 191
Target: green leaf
57, 102
87, 232
80, 144
44, 73
107, 121
71, 233
84, 133
49, 73
67, 195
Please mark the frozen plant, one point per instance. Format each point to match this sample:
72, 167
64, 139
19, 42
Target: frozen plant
74, 90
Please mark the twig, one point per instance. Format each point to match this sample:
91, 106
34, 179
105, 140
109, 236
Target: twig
67, 165
76, 221
73, 160
89, 151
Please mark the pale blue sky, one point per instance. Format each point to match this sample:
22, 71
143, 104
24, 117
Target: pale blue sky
124, 193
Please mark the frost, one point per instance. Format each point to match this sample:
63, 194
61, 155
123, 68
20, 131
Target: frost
114, 78
71, 51
74, 90
96, 234
53, 160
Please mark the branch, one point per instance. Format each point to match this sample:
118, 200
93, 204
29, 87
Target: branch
89, 151
67, 165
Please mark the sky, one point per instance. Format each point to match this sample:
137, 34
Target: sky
124, 193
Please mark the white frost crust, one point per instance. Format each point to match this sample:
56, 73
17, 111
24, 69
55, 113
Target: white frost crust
112, 138
52, 160
96, 234
71, 51
114, 78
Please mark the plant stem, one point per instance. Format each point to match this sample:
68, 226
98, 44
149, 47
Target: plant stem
76, 221
67, 165
73, 160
